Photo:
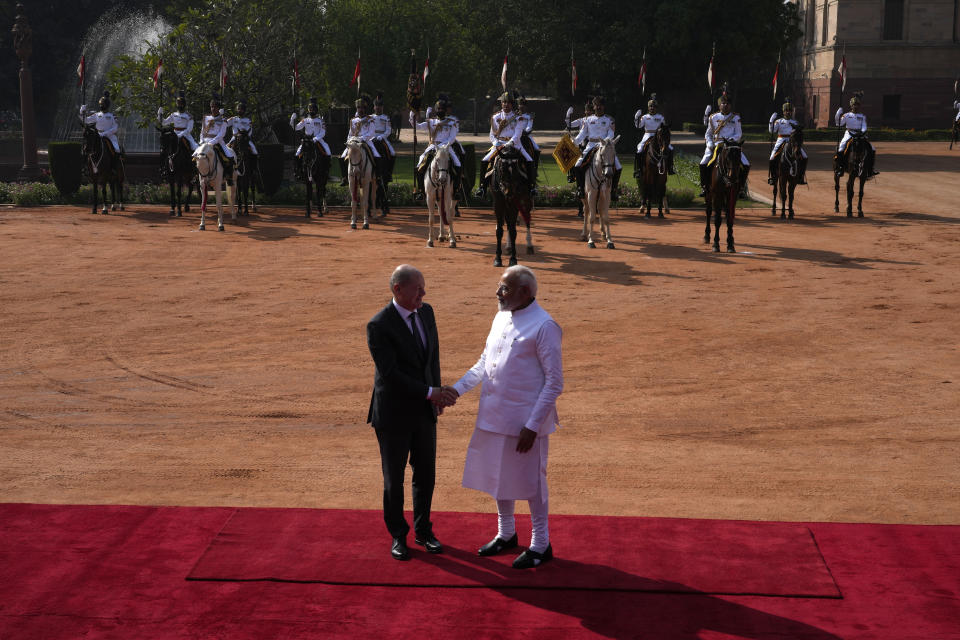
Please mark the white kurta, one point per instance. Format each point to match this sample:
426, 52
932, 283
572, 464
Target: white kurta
521, 376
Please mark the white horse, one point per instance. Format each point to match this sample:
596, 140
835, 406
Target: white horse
439, 187
599, 180
211, 174
360, 176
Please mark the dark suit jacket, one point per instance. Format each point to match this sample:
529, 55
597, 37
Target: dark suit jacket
403, 375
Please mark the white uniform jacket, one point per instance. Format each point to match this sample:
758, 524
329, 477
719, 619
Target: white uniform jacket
182, 126
213, 130
526, 123
595, 128
107, 125
852, 122
521, 372
314, 128
649, 123
382, 130
443, 131
506, 128
244, 123
722, 127
362, 127
782, 128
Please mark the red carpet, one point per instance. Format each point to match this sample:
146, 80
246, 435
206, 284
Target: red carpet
119, 572
629, 554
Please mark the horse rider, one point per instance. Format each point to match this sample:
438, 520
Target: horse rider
213, 131
458, 150
956, 105
241, 122
361, 126
106, 122
505, 131
314, 129
526, 138
181, 120
595, 129
441, 128
854, 122
381, 139
722, 126
650, 122
783, 128
578, 125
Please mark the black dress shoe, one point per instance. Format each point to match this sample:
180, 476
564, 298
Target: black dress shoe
530, 559
430, 543
399, 549
497, 545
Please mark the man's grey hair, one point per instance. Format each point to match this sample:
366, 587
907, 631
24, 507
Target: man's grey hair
402, 275
524, 277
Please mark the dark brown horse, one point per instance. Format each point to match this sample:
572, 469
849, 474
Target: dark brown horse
105, 166
788, 174
511, 199
725, 185
853, 162
316, 172
955, 133
176, 166
655, 175
245, 172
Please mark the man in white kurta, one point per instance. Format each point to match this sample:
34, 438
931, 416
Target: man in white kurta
521, 374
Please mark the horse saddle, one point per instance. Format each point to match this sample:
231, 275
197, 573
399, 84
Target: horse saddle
222, 156
587, 159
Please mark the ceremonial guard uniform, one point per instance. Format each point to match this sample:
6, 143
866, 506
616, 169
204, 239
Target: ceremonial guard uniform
505, 130
361, 126
382, 131
213, 131
526, 139
578, 125
441, 129
181, 120
595, 128
724, 125
783, 128
956, 105
650, 122
107, 125
241, 122
853, 121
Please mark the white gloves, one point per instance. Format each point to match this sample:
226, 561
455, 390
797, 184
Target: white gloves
838, 115
413, 118
159, 113
293, 118
773, 117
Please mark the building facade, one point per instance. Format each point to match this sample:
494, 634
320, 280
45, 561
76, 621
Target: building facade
903, 54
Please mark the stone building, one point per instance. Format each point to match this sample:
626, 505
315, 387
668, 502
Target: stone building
903, 54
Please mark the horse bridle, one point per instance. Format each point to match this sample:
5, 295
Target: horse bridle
433, 182
724, 165
600, 178
213, 168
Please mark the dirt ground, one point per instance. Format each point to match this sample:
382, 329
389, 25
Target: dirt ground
814, 375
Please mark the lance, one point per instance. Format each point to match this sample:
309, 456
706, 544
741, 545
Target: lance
413, 104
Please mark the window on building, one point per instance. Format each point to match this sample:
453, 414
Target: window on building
891, 107
825, 23
893, 20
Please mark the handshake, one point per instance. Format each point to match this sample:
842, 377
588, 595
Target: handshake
444, 397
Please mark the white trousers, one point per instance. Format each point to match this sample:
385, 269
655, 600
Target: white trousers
321, 142
708, 153
779, 143
253, 148
373, 149
846, 139
227, 151
643, 143
493, 150
186, 135
453, 155
587, 149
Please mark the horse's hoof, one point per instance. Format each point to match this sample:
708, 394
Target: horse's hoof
783, 216
730, 249
580, 215
790, 215
836, 209
172, 213
610, 245
716, 248
859, 214
453, 244
121, 208
529, 251
660, 215
512, 263
104, 211
429, 243
220, 228
591, 245
353, 225
497, 262
773, 213
849, 214
186, 208
202, 227
306, 215
366, 225
706, 239
180, 215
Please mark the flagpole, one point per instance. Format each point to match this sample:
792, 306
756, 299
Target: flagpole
83, 79
359, 74
843, 62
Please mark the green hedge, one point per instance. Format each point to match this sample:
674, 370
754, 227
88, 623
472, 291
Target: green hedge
66, 166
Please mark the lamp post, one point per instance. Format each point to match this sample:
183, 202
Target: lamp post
23, 45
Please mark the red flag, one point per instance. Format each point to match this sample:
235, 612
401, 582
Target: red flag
157, 73
426, 68
503, 74
356, 72
776, 73
573, 76
642, 78
81, 69
223, 74
842, 69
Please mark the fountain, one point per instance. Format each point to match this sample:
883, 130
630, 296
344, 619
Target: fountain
117, 32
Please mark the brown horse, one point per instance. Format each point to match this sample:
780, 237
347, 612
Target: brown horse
788, 174
853, 162
245, 170
511, 199
105, 166
725, 184
177, 167
654, 183
315, 169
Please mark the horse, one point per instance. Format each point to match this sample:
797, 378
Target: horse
655, 172
788, 174
105, 166
439, 188
210, 170
177, 168
315, 173
511, 198
360, 177
725, 184
245, 170
597, 184
954, 133
854, 163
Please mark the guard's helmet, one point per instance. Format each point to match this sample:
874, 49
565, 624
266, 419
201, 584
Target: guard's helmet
522, 101
855, 100
378, 101
181, 100
599, 101
506, 97
312, 107
241, 105
589, 105
787, 106
104, 101
440, 107
652, 102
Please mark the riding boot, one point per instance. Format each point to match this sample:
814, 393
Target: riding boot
704, 179
532, 176
391, 160
743, 180
571, 176
773, 172
615, 188
670, 170
343, 172
871, 158
838, 164
581, 173
802, 170
484, 181
536, 171
298, 167
637, 165
421, 173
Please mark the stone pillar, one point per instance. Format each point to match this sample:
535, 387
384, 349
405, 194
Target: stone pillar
23, 45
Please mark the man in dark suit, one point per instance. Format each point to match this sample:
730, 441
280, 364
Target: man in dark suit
402, 339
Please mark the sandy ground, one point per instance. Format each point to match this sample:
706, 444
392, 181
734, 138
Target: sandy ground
815, 375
